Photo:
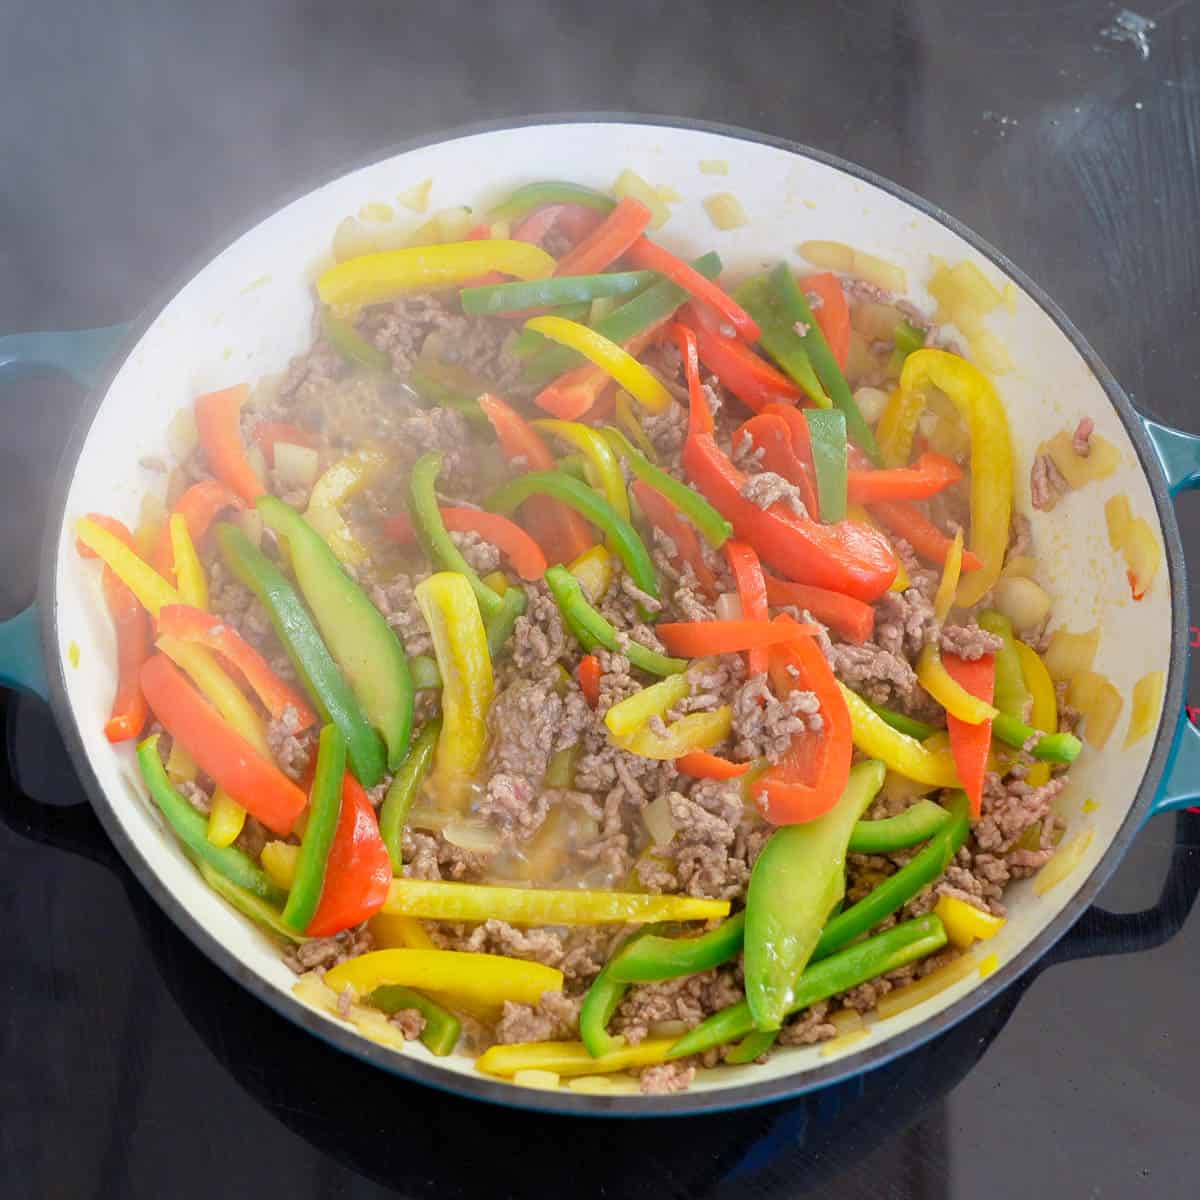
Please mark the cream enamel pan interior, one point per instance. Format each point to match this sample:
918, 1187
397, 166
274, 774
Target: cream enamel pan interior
249, 310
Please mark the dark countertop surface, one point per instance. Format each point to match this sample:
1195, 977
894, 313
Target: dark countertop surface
134, 138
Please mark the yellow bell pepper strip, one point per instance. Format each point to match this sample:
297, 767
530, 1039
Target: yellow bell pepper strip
373, 278
627, 419
696, 731
568, 1058
624, 718
898, 426
965, 924
1012, 696
1044, 712
991, 457
247, 903
594, 570
488, 978
360, 640
950, 694
332, 489
403, 789
390, 932
181, 766
599, 455
189, 574
903, 754
279, 861
645, 388
440, 900
943, 599
460, 645
148, 586
226, 819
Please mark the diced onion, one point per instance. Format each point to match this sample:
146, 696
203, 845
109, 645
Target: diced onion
182, 437
1143, 555
630, 183
603, 1085
531, 1077
1083, 689
1023, 601
453, 224
729, 607
351, 239
1063, 863
831, 256
674, 1028
990, 353
659, 822
894, 1003
473, 836
1101, 460
375, 1027
296, 466
416, 198
420, 817
846, 1020
667, 194
1102, 716
859, 359
250, 522
376, 211
725, 211
1022, 566
875, 321
714, 166
871, 402
837, 1045
1147, 703
314, 992
1070, 652
152, 510
837, 256
1118, 516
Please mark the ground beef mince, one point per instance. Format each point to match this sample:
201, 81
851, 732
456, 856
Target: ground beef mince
716, 839
666, 1078
969, 641
1046, 483
292, 750
764, 725
767, 488
323, 953
398, 604
430, 856
554, 1018
683, 1002
539, 638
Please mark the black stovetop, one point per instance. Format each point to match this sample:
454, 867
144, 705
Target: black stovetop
136, 137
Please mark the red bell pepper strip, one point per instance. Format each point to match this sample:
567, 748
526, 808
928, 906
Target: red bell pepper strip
221, 753
190, 624
752, 592
970, 743
828, 301
849, 618
770, 433
608, 241
199, 505
662, 514
652, 257
907, 521
694, 639
561, 532
574, 221
358, 871
589, 679
926, 477
218, 421
577, 391
797, 424
700, 764
267, 433
507, 536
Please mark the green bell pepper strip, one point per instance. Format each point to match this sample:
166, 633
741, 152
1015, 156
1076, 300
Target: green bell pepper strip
441, 394
192, 829
1011, 694
797, 881
600, 1002
576, 466
537, 195
655, 958
351, 345
592, 630
552, 292
247, 903
778, 336
402, 791
908, 338
716, 530
431, 530
635, 316
796, 310
499, 627
866, 960
425, 673
909, 726
360, 640
322, 680
442, 1027
913, 825
827, 433
324, 808
622, 537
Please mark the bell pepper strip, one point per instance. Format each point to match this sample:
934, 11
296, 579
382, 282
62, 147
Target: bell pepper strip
943, 599
360, 640
969, 743
850, 619
594, 570
831, 311
131, 624
856, 512
189, 826
451, 612
903, 754
779, 337
903, 722
441, 900
200, 505
268, 434
797, 882
536, 195
148, 586
770, 434
1044, 709
907, 338
898, 427
508, 537
622, 537
324, 808
588, 673
224, 755
403, 790
913, 825
333, 488
696, 731
487, 978
654, 957
1012, 695
351, 345
373, 278
186, 623
442, 1028
653, 257
827, 438
574, 221
697, 638
965, 924
905, 943
662, 514
358, 870
645, 388
957, 700
189, 574
600, 1001
930, 474
606, 469
631, 427
218, 421
573, 394
983, 415
907, 521
699, 764
226, 819
810, 778
751, 379
608, 241
752, 592
568, 1058
324, 682
498, 628
507, 298
247, 903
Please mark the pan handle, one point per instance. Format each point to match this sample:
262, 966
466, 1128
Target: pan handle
21, 662
81, 353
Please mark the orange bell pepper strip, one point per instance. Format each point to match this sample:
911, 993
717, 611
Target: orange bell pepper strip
752, 592
507, 536
769, 433
970, 743
827, 299
694, 639
218, 420
589, 678
267, 433
849, 618
200, 506
652, 257
907, 521
700, 764
926, 477
561, 532
189, 624
574, 221
810, 778
578, 390
662, 514
221, 753
608, 241
358, 871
